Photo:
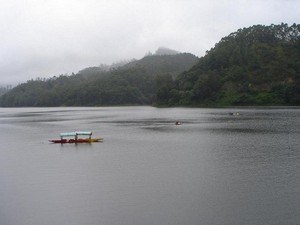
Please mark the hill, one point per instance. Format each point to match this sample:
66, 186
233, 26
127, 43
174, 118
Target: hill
259, 65
172, 64
165, 51
132, 82
4, 89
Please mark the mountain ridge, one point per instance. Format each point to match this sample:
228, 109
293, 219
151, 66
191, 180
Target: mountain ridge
132, 83
258, 65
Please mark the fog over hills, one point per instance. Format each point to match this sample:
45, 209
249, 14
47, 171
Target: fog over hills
52, 37
258, 65
122, 83
165, 51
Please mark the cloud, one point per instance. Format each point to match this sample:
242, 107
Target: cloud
50, 37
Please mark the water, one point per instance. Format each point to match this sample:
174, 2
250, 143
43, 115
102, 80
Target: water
214, 169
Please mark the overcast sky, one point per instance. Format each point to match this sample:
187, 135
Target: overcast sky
44, 38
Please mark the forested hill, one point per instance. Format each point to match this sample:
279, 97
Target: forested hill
170, 64
259, 65
131, 82
4, 89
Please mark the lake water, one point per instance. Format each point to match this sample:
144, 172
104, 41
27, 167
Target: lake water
215, 168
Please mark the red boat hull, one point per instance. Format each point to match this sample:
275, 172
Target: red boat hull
64, 141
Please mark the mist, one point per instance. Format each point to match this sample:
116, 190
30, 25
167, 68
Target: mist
51, 37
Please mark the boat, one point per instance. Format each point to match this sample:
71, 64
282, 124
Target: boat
177, 123
75, 138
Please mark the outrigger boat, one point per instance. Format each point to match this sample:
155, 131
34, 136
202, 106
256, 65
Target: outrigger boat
76, 138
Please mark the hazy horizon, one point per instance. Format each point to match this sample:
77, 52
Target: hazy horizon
48, 38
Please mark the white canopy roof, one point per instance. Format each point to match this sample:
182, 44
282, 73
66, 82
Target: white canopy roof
76, 133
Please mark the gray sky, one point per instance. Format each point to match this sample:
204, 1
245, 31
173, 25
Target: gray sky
44, 38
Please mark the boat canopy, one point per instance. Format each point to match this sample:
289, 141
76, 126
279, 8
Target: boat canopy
75, 133
83, 132
68, 134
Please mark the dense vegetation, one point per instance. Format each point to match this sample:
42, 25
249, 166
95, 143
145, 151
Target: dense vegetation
131, 82
259, 65
4, 89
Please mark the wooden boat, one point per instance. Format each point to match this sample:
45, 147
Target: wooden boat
75, 138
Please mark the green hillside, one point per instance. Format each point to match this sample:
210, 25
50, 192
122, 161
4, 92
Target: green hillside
132, 83
259, 65
4, 89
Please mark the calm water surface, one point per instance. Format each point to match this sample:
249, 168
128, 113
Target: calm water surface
214, 169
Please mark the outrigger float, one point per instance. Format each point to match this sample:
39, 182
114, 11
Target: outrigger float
76, 138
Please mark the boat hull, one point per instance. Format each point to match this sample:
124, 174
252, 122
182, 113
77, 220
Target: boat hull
70, 141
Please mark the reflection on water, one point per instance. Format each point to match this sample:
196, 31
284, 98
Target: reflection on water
221, 166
